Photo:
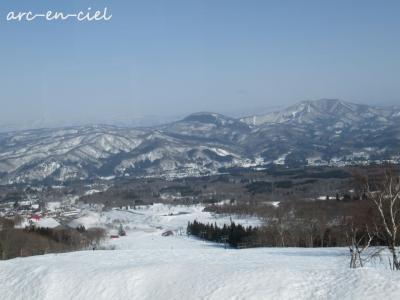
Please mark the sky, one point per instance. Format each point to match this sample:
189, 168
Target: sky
171, 58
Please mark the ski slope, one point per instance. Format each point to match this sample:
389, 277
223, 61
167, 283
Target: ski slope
146, 265
148, 217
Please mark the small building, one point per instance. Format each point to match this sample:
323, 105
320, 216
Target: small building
35, 218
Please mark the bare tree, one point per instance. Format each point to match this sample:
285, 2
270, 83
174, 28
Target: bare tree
358, 242
384, 192
281, 223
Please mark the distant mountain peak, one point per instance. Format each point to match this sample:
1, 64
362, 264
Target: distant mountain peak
310, 111
209, 118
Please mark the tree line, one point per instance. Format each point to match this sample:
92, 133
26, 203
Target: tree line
370, 217
15, 242
235, 235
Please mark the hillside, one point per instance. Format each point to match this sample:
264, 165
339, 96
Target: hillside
311, 133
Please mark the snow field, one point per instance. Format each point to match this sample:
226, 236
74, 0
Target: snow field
146, 265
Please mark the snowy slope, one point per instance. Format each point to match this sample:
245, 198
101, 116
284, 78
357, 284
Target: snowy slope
156, 217
149, 266
164, 269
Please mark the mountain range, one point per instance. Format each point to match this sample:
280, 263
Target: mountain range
321, 132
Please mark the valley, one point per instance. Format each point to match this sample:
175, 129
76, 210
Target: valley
330, 133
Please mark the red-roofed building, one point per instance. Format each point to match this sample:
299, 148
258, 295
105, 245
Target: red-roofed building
35, 218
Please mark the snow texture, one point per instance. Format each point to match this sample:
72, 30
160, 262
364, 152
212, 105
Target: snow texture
146, 265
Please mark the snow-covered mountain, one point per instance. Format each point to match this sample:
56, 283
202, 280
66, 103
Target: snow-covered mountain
86, 152
325, 110
318, 132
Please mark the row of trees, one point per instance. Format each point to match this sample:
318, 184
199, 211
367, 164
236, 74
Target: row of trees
370, 218
281, 233
235, 235
306, 223
36, 241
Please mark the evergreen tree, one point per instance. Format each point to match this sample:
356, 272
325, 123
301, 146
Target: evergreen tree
232, 234
121, 231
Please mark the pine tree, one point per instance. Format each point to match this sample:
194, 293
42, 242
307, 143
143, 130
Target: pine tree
121, 231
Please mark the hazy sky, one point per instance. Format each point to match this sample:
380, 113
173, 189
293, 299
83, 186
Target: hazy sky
175, 57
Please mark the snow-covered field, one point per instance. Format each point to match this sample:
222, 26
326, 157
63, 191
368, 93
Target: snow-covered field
146, 265
156, 217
